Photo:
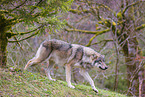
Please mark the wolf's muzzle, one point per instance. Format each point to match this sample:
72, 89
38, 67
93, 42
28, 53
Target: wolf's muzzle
103, 68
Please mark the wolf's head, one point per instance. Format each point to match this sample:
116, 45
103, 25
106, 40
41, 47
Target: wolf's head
99, 62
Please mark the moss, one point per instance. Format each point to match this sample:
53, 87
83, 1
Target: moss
140, 27
3, 50
119, 15
5, 25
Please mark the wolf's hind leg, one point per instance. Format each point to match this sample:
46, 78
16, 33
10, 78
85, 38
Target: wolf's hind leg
41, 55
51, 64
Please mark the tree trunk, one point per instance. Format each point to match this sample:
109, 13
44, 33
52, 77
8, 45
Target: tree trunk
3, 51
143, 86
3, 41
130, 49
134, 67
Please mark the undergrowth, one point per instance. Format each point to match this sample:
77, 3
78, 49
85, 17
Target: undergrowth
26, 84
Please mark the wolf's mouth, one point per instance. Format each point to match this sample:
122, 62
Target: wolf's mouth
103, 68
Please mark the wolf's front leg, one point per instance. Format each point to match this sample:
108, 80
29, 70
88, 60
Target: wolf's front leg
85, 74
68, 75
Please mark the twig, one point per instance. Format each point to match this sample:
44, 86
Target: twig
18, 43
132, 5
25, 38
18, 6
108, 40
133, 76
23, 33
140, 27
35, 6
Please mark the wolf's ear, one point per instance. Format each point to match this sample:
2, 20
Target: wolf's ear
92, 57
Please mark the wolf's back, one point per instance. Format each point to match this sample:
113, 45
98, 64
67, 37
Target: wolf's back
56, 44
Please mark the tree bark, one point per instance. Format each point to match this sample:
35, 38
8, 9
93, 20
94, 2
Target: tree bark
132, 67
3, 41
130, 49
143, 93
3, 51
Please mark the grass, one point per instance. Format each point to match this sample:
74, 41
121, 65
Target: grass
26, 84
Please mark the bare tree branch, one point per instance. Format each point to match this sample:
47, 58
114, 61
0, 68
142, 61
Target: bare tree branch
133, 75
105, 6
18, 43
140, 27
88, 32
131, 5
90, 41
78, 11
108, 40
92, 8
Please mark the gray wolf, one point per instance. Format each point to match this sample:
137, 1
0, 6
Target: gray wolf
68, 55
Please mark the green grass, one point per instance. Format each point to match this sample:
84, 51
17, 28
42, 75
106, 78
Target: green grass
26, 84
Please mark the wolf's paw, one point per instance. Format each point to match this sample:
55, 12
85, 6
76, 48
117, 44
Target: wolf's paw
95, 90
53, 79
71, 86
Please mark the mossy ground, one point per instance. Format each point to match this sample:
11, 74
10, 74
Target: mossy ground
26, 84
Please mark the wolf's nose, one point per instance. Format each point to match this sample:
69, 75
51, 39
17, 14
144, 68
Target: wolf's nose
106, 67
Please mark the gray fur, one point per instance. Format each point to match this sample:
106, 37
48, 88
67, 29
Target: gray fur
70, 55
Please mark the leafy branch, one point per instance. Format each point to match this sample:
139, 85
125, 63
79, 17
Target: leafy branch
10, 34
23, 33
25, 38
18, 6
35, 6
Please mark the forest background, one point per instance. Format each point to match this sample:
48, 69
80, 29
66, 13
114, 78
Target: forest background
114, 28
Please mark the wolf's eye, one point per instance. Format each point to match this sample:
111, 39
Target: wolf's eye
97, 61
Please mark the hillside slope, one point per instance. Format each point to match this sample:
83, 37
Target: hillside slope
26, 84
